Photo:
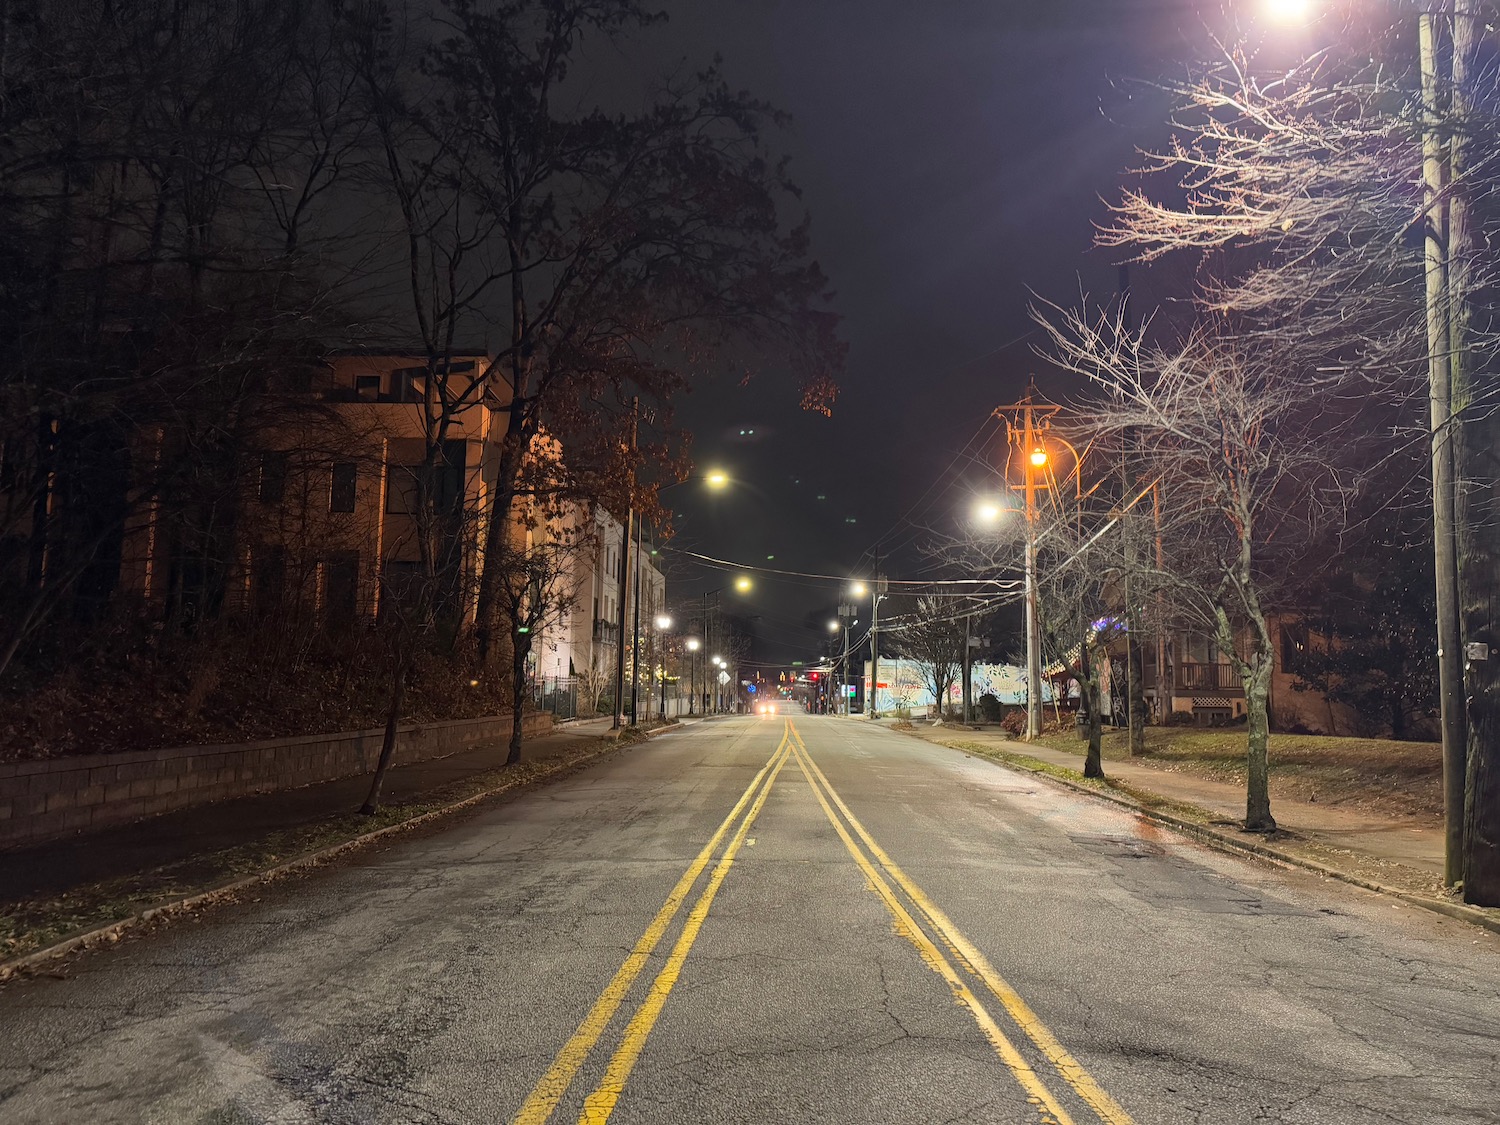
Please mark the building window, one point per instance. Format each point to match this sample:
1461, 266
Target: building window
272, 478
1293, 647
401, 489
341, 491
341, 589
367, 386
402, 384
267, 580
447, 491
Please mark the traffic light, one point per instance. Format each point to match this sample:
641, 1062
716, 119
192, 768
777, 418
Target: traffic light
813, 676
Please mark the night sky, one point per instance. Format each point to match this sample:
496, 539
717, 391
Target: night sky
953, 157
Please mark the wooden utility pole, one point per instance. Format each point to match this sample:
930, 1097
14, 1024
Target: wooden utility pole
1472, 437
625, 538
967, 664
870, 711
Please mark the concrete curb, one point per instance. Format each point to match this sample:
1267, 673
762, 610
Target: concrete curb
111, 931
1474, 915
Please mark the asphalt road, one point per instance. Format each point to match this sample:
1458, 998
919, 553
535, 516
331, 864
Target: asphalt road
756, 921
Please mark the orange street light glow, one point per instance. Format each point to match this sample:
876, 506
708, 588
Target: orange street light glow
1039, 457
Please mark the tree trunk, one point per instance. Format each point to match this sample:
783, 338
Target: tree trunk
520, 649
392, 721
1137, 700
1091, 700
1257, 679
513, 448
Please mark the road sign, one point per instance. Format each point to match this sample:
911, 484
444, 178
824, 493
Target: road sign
723, 678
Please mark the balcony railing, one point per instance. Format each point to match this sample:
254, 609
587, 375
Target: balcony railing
607, 632
1207, 676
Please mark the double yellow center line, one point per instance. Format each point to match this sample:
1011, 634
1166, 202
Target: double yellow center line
915, 917
962, 953
554, 1084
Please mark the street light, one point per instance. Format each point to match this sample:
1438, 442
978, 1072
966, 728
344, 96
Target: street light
663, 623
1288, 11
859, 590
988, 511
717, 479
741, 584
693, 644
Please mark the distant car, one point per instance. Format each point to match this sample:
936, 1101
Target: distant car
765, 707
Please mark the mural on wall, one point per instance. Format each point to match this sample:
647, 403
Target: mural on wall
904, 683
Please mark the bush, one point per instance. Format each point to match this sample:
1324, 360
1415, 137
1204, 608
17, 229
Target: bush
1015, 721
989, 707
1180, 719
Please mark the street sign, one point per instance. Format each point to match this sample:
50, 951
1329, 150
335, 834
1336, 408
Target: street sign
723, 677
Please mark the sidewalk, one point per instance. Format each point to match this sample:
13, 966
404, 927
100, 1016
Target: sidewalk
1395, 841
179, 840
1400, 857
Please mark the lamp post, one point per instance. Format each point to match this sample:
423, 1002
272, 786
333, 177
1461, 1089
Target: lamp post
859, 589
692, 647
743, 585
833, 627
663, 623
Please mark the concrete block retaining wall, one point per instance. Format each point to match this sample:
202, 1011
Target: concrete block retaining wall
45, 799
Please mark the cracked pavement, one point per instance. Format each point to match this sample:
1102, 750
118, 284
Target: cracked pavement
434, 978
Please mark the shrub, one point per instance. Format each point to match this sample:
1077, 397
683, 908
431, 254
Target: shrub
1015, 721
989, 707
1181, 719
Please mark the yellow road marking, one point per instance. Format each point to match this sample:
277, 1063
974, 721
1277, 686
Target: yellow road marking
602, 1101
1069, 1068
1047, 1106
545, 1096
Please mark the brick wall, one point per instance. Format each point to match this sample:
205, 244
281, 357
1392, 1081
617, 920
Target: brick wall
45, 799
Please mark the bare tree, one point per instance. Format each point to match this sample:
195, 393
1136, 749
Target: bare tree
1307, 179
932, 633
539, 587
1238, 444
611, 254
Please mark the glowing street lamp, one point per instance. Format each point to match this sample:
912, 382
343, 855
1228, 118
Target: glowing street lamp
1288, 11
663, 621
743, 584
988, 511
692, 645
717, 479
